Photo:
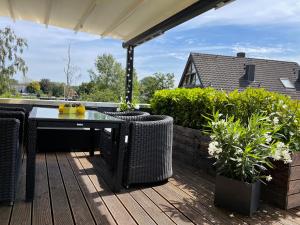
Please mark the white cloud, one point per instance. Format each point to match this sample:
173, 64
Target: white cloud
253, 12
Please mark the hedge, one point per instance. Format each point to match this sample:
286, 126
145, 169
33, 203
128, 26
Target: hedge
190, 107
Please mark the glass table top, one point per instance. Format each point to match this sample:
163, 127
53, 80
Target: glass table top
53, 113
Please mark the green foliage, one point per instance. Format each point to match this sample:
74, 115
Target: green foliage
150, 84
56, 89
127, 106
244, 151
85, 88
107, 81
45, 85
11, 49
33, 87
192, 107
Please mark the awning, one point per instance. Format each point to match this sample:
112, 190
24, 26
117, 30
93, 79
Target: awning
120, 19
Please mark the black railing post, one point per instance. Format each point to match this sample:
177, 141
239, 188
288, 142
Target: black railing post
129, 74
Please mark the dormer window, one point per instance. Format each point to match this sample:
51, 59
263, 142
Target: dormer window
250, 72
287, 83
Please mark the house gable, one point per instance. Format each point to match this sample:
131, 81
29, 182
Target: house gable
190, 76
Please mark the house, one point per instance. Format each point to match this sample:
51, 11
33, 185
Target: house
20, 88
229, 73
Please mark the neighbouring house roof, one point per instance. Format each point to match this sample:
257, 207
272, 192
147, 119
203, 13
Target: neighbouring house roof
229, 73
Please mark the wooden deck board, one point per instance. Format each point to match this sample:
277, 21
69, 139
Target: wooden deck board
60, 206
41, 214
94, 200
21, 211
71, 190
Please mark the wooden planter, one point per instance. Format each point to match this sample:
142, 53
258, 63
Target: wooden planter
191, 147
284, 189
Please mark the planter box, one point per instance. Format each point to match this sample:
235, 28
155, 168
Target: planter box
190, 146
236, 195
284, 189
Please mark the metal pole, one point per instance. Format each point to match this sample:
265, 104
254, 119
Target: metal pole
129, 74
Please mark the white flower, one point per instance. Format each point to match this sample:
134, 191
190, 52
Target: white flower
275, 120
282, 152
268, 138
284, 106
268, 178
286, 156
278, 152
291, 133
213, 148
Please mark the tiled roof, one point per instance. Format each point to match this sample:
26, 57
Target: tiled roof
228, 73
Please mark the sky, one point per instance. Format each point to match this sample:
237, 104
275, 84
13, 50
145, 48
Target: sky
261, 28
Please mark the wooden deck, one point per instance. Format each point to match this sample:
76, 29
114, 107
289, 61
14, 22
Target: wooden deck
70, 190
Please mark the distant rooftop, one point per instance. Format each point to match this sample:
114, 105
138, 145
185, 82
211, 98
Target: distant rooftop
239, 72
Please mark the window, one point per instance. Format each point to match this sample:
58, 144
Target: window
287, 83
250, 72
190, 77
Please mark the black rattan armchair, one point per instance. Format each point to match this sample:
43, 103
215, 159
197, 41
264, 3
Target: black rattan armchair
149, 150
10, 158
20, 116
127, 115
105, 136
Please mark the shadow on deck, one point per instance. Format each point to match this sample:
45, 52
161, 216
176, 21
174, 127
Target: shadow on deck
71, 190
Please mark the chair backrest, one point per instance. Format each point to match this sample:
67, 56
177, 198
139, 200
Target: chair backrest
19, 115
9, 133
151, 131
128, 115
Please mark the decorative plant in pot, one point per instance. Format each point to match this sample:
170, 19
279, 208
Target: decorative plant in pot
243, 154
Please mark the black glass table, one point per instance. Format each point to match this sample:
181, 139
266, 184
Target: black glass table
50, 118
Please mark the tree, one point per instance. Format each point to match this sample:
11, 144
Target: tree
108, 81
11, 49
45, 85
56, 89
158, 81
72, 72
33, 87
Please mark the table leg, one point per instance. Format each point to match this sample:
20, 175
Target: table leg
92, 135
30, 162
119, 151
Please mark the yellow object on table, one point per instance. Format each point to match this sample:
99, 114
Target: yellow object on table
71, 109
81, 109
61, 108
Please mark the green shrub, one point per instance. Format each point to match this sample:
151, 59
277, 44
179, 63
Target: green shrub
244, 152
194, 107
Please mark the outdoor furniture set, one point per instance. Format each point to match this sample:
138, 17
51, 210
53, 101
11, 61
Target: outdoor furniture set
145, 156
148, 148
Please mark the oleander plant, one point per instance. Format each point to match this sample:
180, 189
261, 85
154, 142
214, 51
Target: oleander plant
245, 152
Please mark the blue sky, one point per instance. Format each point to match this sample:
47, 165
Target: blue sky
261, 28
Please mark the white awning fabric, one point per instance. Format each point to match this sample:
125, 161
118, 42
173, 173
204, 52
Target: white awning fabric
120, 19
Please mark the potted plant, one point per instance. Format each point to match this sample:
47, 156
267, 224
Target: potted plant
243, 154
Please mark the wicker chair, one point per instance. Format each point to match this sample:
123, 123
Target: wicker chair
20, 116
127, 115
105, 136
149, 150
10, 158
19, 109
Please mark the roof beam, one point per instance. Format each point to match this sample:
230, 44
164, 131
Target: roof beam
184, 15
11, 10
124, 15
85, 15
48, 12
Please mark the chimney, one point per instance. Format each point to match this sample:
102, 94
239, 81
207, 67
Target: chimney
241, 55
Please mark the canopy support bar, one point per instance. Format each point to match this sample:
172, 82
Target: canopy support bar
129, 74
186, 14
